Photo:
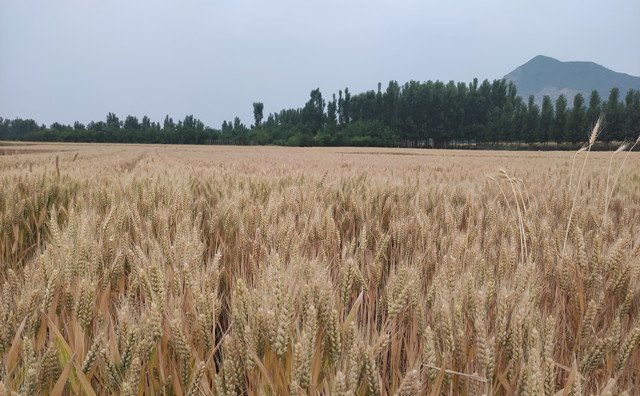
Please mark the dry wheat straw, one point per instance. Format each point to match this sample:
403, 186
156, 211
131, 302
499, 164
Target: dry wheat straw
199, 270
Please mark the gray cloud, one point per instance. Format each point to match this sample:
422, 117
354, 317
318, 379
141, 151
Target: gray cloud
69, 60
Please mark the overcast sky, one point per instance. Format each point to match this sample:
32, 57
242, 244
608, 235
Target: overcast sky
66, 60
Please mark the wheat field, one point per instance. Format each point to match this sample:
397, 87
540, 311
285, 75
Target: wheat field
185, 270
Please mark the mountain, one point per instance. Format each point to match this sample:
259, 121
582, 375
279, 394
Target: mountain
543, 75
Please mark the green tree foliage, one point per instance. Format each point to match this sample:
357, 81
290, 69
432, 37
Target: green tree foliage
258, 108
546, 119
57, 127
532, 122
594, 109
415, 114
113, 122
344, 107
131, 123
313, 112
561, 120
146, 123
632, 116
332, 111
577, 120
614, 111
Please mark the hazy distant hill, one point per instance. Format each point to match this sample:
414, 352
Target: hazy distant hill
543, 75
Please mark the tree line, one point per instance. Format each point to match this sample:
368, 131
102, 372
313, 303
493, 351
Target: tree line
416, 114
